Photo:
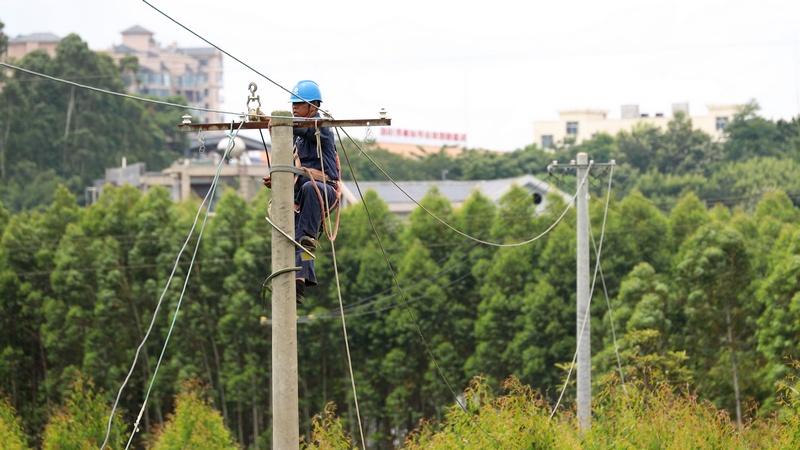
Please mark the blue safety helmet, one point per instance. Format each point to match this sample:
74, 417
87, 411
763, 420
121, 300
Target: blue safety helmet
306, 90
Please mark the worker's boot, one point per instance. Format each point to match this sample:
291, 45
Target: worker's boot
310, 244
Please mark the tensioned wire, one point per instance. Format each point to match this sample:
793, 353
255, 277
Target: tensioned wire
118, 94
610, 315
330, 234
494, 244
591, 292
209, 197
356, 309
359, 308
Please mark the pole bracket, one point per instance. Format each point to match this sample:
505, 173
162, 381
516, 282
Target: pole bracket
286, 168
267, 286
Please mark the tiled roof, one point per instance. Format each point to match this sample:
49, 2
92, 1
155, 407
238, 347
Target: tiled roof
37, 37
123, 49
136, 29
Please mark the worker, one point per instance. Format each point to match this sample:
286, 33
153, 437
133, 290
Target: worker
318, 188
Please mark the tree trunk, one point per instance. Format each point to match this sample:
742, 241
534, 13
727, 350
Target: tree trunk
254, 399
735, 367
220, 381
240, 420
3, 150
44, 367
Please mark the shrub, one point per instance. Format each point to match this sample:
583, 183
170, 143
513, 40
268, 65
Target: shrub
327, 432
194, 424
11, 435
82, 422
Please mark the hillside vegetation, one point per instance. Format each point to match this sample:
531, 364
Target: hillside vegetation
700, 280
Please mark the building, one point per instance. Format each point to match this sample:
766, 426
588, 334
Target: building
194, 73
21, 45
576, 126
191, 176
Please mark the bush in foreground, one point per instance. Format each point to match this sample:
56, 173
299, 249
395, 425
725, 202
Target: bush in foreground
194, 424
626, 417
11, 434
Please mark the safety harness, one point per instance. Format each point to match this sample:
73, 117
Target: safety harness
320, 175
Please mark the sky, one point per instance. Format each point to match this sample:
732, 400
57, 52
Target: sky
484, 69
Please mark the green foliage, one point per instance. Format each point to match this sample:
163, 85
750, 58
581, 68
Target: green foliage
3, 39
789, 398
94, 130
82, 422
679, 149
749, 136
194, 424
645, 362
11, 435
327, 432
517, 419
79, 286
658, 417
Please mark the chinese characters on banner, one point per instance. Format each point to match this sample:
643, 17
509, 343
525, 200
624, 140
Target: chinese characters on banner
420, 136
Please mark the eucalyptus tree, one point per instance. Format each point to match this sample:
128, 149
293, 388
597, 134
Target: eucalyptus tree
714, 266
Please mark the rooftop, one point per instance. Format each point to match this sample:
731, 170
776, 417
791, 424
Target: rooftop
37, 37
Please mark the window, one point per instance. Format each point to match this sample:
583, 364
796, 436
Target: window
572, 128
547, 141
722, 122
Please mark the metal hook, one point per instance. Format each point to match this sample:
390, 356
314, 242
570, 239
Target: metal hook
253, 113
252, 87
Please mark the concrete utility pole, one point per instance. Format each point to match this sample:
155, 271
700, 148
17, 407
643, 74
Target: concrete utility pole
584, 369
583, 322
285, 412
285, 419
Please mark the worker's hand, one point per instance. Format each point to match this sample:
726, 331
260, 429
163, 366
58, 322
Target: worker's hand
267, 180
261, 117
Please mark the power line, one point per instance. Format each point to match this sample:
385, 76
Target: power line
494, 244
118, 94
209, 195
588, 305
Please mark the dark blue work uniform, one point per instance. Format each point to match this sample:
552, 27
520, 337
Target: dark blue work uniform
309, 218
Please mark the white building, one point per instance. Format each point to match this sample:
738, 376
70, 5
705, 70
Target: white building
576, 126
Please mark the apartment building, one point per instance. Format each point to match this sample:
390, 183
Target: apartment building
195, 73
164, 71
576, 126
